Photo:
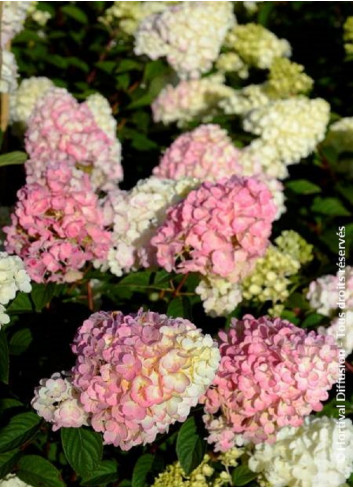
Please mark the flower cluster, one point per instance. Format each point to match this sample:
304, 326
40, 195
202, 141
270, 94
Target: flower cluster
256, 45
57, 401
219, 296
129, 15
206, 153
323, 292
136, 216
138, 374
12, 19
203, 476
13, 278
57, 226
177, 33
190, 99
218, 230
287, 79
61, 129
24, 99
307, 456
288, 131
271, 375
270, 279
8, 72
232, 63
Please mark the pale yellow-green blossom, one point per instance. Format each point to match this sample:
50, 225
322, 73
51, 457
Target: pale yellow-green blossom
287, 78
256, 45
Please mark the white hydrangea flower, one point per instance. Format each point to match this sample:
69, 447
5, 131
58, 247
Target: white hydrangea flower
307, 456
102, 113
13, 277
12, 19
11, 480
8, 72
137, 214
219, 296
261, 157
189, 35
23, 100
246, 99
292, 127
191, 99
256, 45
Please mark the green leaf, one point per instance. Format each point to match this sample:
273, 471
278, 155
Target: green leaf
38, 472
83, 449
142, 467
76, 13
329, 206
19, 430
106, 66
345, 189
179, 307
4, 359
313, 320
136, 279
303, 187
58, 61
7, 461
42, 294
190, 447
146, 99
242, 475
13, 158
104, 474
128, 65
20, 304
20, 341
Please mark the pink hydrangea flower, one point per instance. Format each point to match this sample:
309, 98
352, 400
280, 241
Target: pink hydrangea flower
140, 373
61, 129
57, 227
271, 375
57, 402
219, 229
206, 153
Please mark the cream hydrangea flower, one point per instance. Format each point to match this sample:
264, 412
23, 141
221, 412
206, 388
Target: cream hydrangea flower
340, 135
220, 297
256, 45
287, 79
307, 456
23, 100
178, 33
288, 131
102, 113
